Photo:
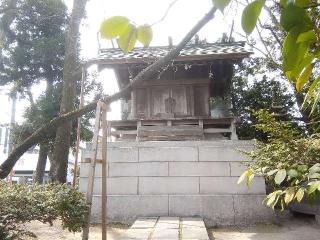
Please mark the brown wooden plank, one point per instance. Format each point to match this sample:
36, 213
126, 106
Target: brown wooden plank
104, 175
85, 234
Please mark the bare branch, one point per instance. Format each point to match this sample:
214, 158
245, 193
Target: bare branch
166, 12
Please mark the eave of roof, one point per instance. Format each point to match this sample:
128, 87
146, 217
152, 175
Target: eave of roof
192, 52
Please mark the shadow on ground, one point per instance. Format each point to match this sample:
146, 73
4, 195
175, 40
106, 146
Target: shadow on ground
299, 227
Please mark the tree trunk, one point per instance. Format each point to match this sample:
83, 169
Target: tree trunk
42, 162
41, 133
62, 140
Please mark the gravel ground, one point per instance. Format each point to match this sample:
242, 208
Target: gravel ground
298, 228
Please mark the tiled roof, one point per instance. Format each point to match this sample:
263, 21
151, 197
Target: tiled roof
190, 52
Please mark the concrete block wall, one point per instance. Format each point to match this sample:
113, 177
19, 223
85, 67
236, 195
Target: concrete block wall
196, 178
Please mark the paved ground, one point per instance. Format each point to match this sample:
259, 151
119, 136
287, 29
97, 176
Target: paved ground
295, 229
298, 228
167, 228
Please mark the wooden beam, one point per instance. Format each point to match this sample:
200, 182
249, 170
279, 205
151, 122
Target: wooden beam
104, 174
85, 233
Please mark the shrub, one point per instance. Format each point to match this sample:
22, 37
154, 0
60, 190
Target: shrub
289, 161
44, 203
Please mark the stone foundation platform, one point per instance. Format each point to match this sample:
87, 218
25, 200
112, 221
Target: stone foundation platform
186, 178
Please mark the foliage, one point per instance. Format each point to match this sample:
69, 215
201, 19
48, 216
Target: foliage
34, 45
126, 33
263, 92
45, 203
288, 161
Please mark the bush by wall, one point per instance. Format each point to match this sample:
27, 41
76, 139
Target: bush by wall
45, 203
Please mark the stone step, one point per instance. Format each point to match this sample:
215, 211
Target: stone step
166, 228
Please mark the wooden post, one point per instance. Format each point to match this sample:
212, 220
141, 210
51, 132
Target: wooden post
104, 173
85, 234
75, 169
234, 135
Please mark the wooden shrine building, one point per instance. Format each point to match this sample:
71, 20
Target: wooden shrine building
189, 99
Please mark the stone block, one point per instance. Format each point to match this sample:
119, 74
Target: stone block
126, 208
228, 185
250, 210
168, 185
168, 154
220, 154
199, 169
116, 185
237, 168
138, 169
214, 209
84, 170
115, 154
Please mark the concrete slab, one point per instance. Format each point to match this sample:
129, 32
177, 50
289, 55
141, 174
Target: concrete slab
168, 223
165, 234
192, 223
193, 228
166, 228
136, 234
144, 223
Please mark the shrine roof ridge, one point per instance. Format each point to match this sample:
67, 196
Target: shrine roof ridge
191, 52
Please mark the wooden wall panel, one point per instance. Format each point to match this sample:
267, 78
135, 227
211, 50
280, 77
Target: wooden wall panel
201, 100
141, 103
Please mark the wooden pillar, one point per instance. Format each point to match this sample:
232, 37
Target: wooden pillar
85, 234
75, 168
104, 174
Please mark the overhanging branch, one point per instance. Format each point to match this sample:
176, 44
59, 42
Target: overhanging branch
39, 134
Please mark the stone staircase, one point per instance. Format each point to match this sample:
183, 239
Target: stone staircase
166, 228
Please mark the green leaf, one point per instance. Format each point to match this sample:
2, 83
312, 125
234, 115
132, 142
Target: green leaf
280, 176
302, 168
289, 195
315, 168
283, 3
314, 175
128, 38
272, 172
250, 15
113, 27
293, 173
293, 52
271, 198
292, 16
250, 177
299, 194
242, 177
302, 3
304, 77
308, 36
220, 4
144, 34
296, 71
313, 186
